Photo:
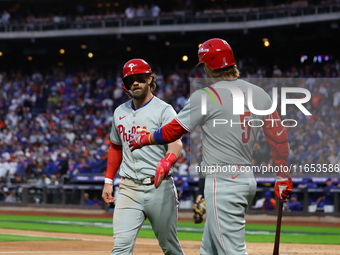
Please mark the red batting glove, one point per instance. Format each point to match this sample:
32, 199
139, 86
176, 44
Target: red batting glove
283, 187
163, 168
140, 140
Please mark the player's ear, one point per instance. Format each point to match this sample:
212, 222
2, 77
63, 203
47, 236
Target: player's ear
152, 82
149, 79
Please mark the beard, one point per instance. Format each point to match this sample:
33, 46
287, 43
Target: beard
141, 94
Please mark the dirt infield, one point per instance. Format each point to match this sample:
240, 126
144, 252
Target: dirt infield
95, 244
84, 244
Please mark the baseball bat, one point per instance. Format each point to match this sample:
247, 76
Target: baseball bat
278, 229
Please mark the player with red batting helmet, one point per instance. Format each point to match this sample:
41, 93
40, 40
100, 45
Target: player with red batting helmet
227, 194
133, 67
138, 197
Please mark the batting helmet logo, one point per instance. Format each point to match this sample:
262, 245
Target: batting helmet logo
131, 66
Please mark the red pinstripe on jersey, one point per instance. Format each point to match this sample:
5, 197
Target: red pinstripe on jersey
216, 213
174, 193
182, 124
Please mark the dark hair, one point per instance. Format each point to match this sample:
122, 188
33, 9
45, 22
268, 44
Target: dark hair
153, 84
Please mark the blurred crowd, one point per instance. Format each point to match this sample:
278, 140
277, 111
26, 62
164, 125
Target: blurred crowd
59, 123
56, 125
316, 138
77, 11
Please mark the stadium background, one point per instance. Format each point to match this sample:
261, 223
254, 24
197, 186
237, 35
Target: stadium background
52, 88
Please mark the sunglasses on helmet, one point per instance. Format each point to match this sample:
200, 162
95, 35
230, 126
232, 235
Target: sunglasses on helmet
140, 78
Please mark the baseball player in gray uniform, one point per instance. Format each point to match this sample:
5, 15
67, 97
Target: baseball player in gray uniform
228, 193
138, 197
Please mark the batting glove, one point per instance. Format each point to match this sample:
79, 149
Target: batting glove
163, 168
283, 188
140, 139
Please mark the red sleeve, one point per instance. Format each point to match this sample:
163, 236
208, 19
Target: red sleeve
277, 138
172, 131
114, 159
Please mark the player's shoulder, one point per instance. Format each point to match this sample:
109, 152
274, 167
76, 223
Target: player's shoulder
255, 88
124, 107
162, 108
160, 103
238, 83
249, 84
197, 94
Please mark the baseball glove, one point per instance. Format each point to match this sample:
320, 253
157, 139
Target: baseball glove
199, 211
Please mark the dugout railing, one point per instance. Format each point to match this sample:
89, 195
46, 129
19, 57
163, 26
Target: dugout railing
72, 196
59, 196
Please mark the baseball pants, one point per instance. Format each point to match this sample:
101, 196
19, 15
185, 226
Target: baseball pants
227, 200
135, 203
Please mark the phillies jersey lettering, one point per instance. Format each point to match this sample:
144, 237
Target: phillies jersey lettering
142, 163
125, 133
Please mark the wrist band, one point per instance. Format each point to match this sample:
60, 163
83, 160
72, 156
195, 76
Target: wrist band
149, 139
108, 181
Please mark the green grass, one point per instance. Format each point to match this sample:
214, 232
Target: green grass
314, 239
19, 238
186, 230
300, 229
40, 218
56, 228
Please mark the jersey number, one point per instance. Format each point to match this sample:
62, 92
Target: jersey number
246, 129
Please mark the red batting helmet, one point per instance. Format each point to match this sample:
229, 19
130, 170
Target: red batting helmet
216, 53
136, 66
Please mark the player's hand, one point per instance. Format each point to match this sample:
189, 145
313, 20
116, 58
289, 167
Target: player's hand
283, 188
107, 193
139, 140
163, 168
198, 198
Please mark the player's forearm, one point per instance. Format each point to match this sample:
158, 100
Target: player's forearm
114, 159
175, 148
280, 154
168, 133
201, 184
277, 138
164, 135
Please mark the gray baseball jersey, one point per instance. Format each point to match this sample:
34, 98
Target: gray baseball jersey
136, 201
142, 163
226, 140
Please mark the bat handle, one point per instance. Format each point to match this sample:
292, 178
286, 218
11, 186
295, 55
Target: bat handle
278, 229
